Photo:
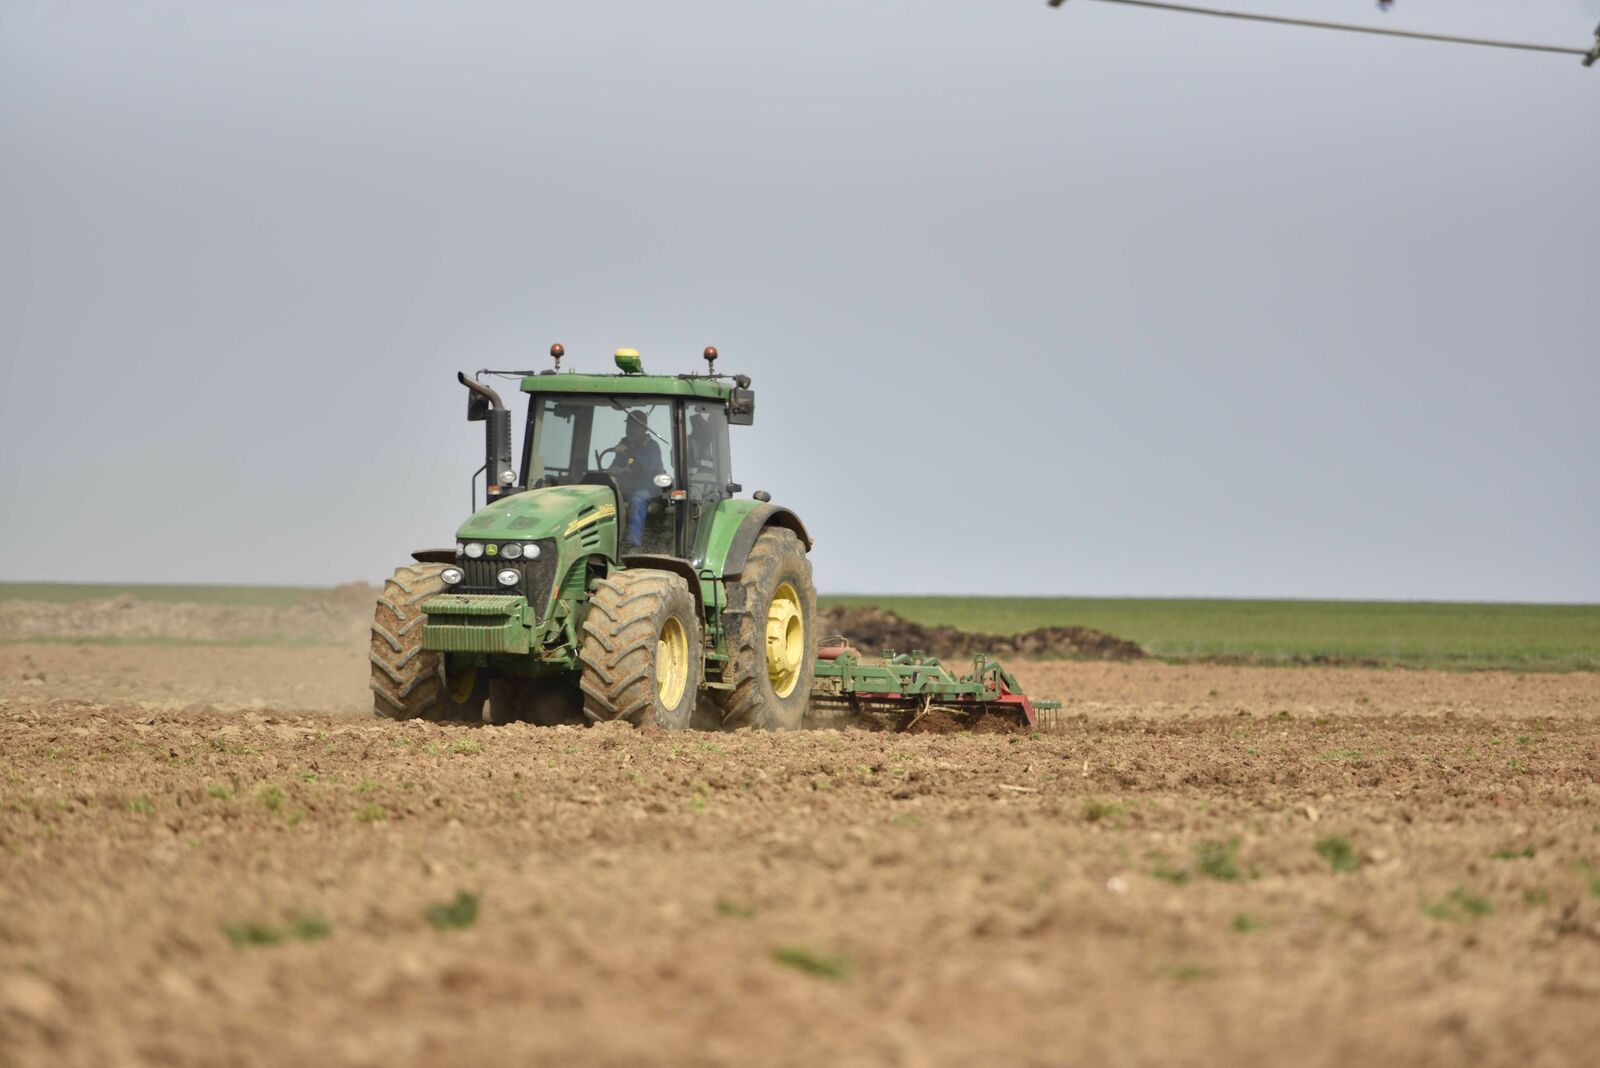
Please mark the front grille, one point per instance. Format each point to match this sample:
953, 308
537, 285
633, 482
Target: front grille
478, 576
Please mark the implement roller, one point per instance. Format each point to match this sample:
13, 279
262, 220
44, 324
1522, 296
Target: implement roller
898, 690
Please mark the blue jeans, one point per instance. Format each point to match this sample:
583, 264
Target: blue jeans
638, 501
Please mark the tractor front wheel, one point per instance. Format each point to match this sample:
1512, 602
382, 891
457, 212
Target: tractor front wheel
771, 641
642, 655
408, 681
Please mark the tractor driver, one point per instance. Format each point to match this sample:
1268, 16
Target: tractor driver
636, 464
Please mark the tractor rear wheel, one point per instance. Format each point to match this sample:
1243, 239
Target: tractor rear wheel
408, 681
771, 644
642, 655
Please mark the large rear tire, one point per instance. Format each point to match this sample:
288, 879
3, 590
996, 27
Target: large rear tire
772, 612
642, 654
408, 681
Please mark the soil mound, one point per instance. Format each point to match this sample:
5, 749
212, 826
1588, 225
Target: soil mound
875, 629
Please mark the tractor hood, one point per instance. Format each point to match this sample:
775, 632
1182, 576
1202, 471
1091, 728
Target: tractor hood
551, 512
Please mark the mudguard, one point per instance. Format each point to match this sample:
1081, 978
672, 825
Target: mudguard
734, 529
675, 566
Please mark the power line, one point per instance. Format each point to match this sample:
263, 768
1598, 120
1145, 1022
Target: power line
1590, 55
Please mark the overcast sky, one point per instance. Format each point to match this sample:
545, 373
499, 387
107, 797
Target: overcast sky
1094, 300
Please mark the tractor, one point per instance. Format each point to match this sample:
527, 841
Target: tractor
617, 576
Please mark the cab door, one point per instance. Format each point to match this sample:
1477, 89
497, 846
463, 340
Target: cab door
704, 469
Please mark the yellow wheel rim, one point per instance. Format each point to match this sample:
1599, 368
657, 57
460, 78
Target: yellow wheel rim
786, 640
672, 663
461, 684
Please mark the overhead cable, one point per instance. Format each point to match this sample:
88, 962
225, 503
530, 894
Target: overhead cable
1590, 55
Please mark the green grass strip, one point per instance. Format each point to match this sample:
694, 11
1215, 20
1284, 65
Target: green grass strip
1535, 637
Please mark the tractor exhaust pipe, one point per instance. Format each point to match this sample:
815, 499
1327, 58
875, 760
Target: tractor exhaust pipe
485, 404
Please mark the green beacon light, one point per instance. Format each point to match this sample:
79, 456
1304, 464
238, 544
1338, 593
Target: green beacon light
628, 360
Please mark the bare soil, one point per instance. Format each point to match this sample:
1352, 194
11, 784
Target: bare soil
341, 616
210, 856
338, 615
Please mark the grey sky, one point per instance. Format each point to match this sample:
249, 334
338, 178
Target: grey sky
1090, 300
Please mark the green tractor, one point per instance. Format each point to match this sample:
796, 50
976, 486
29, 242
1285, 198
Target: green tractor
618, 577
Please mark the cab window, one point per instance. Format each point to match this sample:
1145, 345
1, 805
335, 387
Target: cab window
706, 451
573, 435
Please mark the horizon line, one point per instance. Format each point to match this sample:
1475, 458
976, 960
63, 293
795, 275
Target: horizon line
885, 595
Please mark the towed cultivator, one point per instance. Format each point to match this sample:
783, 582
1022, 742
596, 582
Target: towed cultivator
897, 692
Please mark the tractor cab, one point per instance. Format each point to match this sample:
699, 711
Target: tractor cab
667, 458
660, 442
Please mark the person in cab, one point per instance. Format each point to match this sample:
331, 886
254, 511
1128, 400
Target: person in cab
636, 464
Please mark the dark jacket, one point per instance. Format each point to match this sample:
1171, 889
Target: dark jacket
637, 466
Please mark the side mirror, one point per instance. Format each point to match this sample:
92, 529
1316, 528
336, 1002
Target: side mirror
741, 406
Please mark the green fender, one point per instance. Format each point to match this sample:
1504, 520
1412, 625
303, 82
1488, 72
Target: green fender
732, 532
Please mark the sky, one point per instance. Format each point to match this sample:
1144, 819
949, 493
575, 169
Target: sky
1091, 300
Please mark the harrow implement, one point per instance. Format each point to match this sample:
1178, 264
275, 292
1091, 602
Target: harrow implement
899, 690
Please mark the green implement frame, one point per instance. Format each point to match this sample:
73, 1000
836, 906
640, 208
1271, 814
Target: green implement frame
897, 686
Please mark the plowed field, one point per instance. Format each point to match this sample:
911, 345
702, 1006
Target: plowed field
208, 856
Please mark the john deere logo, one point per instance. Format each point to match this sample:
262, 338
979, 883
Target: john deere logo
491, 550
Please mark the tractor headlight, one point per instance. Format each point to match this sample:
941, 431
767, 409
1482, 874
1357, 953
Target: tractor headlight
511, 550
474, 549
530, 551
450, 576
509, 577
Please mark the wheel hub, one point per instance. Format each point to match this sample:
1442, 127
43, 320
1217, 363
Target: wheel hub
786, 640
672, 663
